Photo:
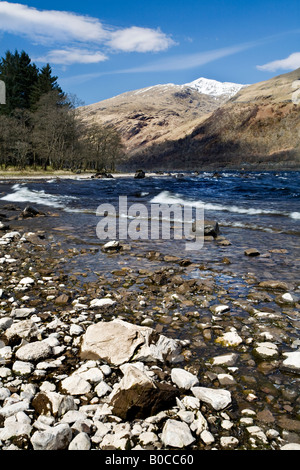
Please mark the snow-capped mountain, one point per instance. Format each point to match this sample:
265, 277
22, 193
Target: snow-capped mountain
205, 86
215, 88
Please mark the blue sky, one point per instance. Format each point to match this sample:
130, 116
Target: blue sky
100, 49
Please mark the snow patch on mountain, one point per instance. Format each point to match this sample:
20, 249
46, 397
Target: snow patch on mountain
215, 88
204, 86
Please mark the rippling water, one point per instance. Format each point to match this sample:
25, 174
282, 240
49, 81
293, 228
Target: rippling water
254, 210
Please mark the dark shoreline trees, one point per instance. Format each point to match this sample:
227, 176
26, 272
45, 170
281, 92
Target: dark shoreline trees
39, 125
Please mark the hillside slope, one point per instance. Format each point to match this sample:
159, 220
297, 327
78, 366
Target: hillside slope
257, 128
159, 113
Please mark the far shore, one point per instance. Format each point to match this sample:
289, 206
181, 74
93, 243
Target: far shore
57, 175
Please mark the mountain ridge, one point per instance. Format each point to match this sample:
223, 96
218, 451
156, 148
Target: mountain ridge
159, 113
176, 127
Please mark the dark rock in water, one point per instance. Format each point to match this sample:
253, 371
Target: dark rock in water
102, 174
210, 229
3, 226
62, 299
140, 174
274, 285
31, 212
252, 252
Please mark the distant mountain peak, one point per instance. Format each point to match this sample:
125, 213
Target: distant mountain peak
215, 88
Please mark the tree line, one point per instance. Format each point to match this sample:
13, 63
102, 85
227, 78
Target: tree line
40, 127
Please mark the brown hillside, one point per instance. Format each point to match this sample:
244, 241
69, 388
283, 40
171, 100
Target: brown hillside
258, 127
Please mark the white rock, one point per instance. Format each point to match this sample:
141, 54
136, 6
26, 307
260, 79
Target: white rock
226, 379
257, 433
291, 446
4, 393
22, 368
25, 329
266, 350
56, 438
186, 416
113, 245
72, 416
76, 330
183, 379
75, 385
200, 424
102, 389
207, 437
80, 442
191, 403
225, 359
176, 434
6, 353
219, 309
27, 281
10, 410
217, 398
14, 430
93, 375
292, 361
229, 442
231, 338
118, 341
114, 442
35, 351
44, 422
11, 235
22, 312
147, 438
102, 302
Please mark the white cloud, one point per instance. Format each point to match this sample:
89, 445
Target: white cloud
290, 63
67, 29
49, 25
136, 39
70, 56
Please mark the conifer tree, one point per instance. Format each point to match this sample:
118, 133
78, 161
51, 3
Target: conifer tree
45, 84
19, 76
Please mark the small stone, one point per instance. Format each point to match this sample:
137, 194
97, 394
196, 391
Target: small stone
147, 438
176, 434
219, 309
292, 361
207, 437
75, 385
231, 338
34, 351
80, 442
252, 252
229, 442
266, 350
291, 446
22, 368
56, 438
22, 312
101, 303
76, 330
183, 379
217, 398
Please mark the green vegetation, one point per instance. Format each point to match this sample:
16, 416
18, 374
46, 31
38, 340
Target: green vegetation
40, 127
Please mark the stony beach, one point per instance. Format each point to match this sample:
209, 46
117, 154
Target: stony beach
147, 357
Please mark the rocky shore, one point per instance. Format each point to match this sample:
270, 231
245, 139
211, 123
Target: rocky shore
149, 358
